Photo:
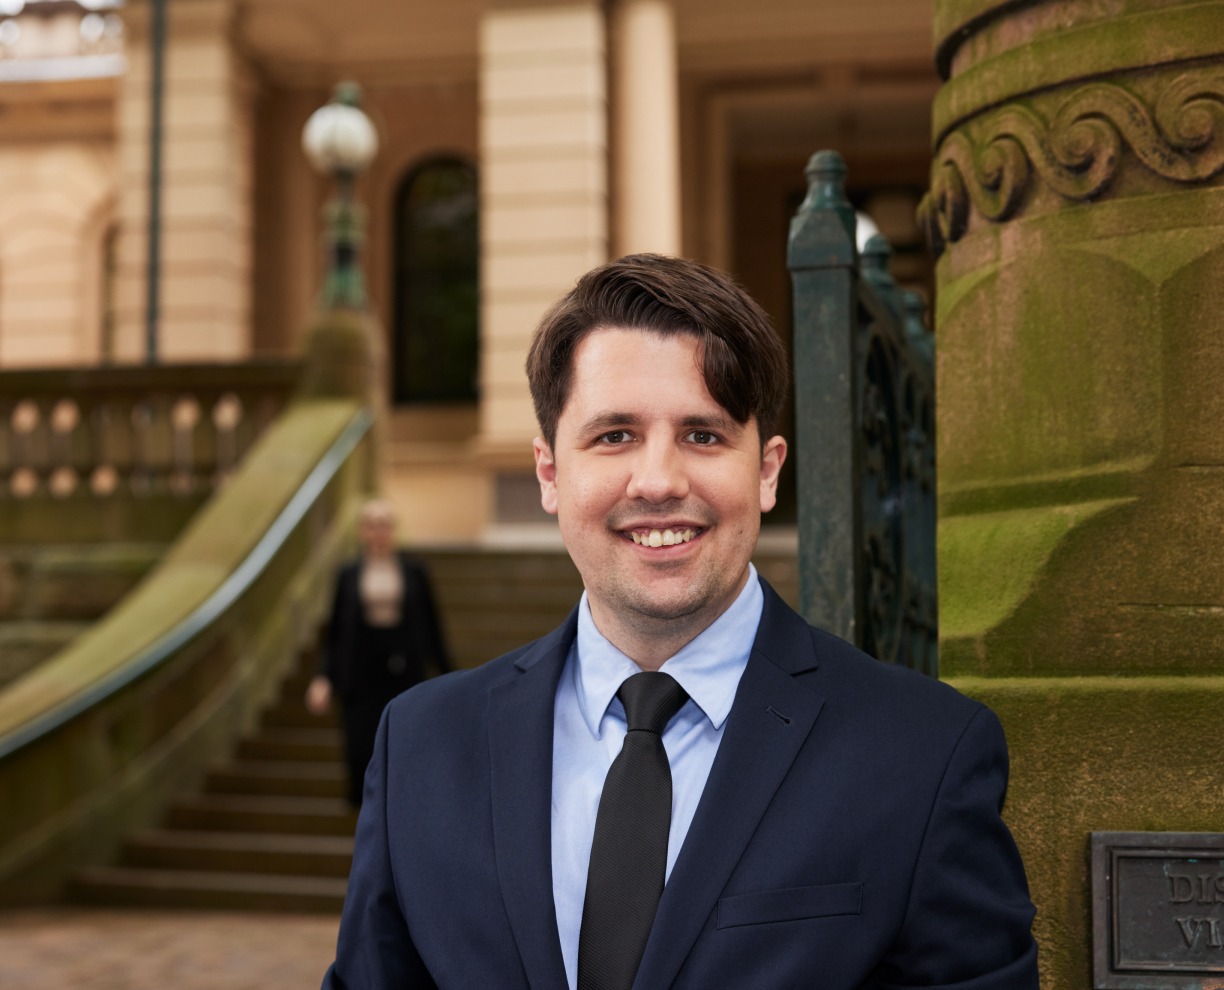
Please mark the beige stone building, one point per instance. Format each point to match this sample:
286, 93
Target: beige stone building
520, 144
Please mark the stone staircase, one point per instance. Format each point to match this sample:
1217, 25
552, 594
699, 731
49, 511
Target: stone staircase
491, 601
268, 830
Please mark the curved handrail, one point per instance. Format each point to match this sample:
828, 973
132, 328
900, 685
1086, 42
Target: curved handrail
243, 576
98, 739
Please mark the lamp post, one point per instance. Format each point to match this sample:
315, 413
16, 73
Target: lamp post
340, 141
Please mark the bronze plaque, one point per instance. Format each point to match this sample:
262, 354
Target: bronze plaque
1158, 910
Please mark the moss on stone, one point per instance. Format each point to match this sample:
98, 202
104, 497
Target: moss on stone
1067, 48
1099, 754
1080, 450
1034, 394
989, 562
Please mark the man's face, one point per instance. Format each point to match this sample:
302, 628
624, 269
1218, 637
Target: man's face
657, 490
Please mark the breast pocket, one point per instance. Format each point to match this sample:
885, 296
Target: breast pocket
790, 904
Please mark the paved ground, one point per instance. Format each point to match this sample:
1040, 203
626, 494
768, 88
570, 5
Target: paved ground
87, 949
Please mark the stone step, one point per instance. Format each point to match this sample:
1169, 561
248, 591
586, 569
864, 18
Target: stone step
491, 602
293, 744
240, 852
292, 714
279, 778
271, 831
250, 813
293, 688
117, 885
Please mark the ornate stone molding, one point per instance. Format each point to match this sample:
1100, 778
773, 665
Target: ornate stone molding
994, 163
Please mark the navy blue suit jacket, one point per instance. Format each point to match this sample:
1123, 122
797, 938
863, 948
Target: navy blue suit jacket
848, 835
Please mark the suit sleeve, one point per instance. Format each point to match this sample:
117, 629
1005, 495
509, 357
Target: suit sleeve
375, 949
969, 921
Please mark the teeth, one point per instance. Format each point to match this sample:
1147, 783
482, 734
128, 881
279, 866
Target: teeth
663, 537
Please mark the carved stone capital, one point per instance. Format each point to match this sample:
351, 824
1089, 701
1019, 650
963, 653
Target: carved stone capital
1039, 153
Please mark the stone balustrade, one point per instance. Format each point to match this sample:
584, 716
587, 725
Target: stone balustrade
137, 431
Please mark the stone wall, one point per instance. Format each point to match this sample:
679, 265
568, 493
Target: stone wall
1077, 201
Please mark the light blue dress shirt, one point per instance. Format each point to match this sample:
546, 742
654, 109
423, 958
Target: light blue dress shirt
589, 728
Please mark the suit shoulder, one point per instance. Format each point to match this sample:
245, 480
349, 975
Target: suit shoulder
887, 687
842, 672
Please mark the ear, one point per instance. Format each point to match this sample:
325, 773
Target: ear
546, 474
773, 456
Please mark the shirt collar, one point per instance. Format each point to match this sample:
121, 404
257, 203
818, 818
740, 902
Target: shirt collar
708, 668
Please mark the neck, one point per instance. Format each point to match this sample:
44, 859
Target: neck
651, 650
651, 640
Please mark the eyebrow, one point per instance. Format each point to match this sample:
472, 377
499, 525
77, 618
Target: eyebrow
607, 421
615, 420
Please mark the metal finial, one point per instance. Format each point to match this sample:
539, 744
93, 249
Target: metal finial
826, 175
876, 254
874, 265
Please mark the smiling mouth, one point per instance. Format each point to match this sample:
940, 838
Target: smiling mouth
663, 537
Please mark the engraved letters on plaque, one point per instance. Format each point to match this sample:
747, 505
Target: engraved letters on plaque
1158, 910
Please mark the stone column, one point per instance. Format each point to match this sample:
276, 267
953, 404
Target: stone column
544, 202
646, 128
1077, 200
206, 187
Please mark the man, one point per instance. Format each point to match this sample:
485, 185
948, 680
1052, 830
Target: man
382, 635
828, 821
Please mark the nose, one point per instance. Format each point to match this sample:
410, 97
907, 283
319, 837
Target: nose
658, 473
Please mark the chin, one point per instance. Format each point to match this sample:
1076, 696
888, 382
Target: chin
668, 607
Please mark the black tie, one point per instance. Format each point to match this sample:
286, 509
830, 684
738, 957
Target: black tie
629, 851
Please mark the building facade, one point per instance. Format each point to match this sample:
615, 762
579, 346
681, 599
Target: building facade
520, 144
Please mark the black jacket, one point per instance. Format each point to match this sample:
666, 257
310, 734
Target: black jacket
361, 660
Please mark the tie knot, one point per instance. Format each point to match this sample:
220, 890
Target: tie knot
651, 699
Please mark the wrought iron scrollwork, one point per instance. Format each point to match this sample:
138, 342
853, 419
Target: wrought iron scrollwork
864, 406
896, 431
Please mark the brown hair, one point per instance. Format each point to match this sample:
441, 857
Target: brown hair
742, 358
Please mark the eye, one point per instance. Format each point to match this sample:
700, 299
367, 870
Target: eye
702, 438
613, 437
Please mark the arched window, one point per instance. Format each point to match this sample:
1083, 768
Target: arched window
437, 301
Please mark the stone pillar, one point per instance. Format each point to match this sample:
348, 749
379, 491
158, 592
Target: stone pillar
646, 128
544, 202
206, 187
1077, 200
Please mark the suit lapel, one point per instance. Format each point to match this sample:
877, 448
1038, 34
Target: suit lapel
520, 752
771, 718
